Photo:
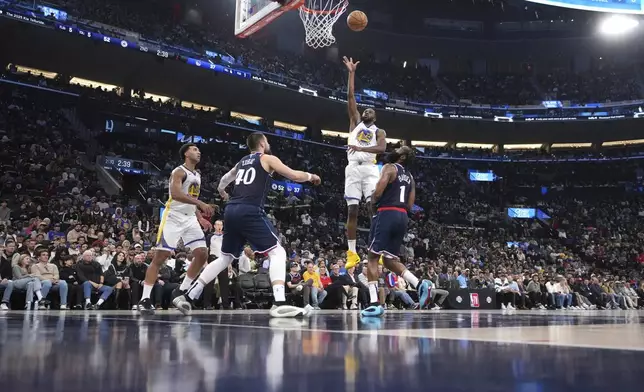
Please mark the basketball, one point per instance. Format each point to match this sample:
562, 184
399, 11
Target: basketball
357, 21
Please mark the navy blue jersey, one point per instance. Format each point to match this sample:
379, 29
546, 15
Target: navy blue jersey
397, 193
252, 182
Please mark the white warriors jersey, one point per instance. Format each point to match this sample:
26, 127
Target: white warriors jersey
363, 136
191, 186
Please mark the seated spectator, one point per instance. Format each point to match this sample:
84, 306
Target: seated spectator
505, 293
166, 283
352, 289
463, 279
49, 277
69, 274
7, 285
436, 295
137, 278
90, 277
296, 285
554, 292
23, 280
318, 293
533, 290
398, 290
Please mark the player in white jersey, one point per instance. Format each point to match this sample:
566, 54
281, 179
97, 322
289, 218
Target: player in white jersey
365, 142
182, 219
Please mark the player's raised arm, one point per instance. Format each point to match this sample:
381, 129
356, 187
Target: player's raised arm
354, 115
412, 195
387, 176
276, 165
225, 181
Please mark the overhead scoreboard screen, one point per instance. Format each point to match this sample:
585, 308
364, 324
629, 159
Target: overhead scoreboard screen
613, 6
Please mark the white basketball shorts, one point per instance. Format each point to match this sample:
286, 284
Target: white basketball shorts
175, 226
360, 182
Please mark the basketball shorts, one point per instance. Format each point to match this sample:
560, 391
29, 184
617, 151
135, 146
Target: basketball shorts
245, 223
175, 226
388, 229
360, 182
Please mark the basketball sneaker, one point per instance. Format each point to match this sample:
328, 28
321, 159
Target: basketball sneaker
352, 259
281, 310
373, 311
146, 308
182, 302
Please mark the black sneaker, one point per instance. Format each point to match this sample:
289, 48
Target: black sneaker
146, 308
78, 307
178, 292
89, 306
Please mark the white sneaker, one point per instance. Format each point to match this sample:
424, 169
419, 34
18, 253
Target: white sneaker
3, 306
63, 307
354, 307
135, 307
308, 309
503, 307
436, 307
510, 307
286, 311
182, 303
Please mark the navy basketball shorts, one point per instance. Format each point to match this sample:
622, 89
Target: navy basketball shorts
245, 223
388, 229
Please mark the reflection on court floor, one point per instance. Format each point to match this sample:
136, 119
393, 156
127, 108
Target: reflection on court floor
248, 351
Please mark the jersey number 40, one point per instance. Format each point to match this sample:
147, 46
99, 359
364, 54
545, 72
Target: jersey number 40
246, 176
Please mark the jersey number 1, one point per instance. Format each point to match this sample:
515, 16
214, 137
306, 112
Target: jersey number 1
245, 176
402, 194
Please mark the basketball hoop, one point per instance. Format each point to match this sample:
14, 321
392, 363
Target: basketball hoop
318, 17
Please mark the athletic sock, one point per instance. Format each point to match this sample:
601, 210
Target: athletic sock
147, 290
352, 245
39, 295
410, 278
185, 285
87, 301
100, 302
277, 272
373, 292
208, 275
278, 293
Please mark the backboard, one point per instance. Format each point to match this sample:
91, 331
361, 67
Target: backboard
252, 15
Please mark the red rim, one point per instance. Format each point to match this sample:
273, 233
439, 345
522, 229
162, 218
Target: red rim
322, 12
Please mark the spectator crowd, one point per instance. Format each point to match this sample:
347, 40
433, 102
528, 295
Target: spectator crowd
67, 243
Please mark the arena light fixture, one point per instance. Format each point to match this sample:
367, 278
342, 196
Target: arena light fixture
618, 25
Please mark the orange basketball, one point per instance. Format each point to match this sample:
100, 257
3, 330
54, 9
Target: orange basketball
357, 21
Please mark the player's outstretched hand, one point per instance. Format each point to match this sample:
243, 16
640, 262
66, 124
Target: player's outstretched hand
315, 179
351, 66
206, 209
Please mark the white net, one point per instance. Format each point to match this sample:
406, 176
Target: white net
318, 17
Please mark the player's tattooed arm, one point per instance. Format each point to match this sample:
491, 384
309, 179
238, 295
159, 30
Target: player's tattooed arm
225, 181
387, 175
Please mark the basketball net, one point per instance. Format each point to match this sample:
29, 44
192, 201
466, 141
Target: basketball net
318, 17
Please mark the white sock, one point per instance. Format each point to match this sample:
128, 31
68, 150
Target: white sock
147, 290
209, 274
373, 292
410, 278
39, 295
185, 285
100, 302
278, 293
87, 301
352, 245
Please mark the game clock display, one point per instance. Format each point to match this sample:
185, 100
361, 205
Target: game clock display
125, 165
